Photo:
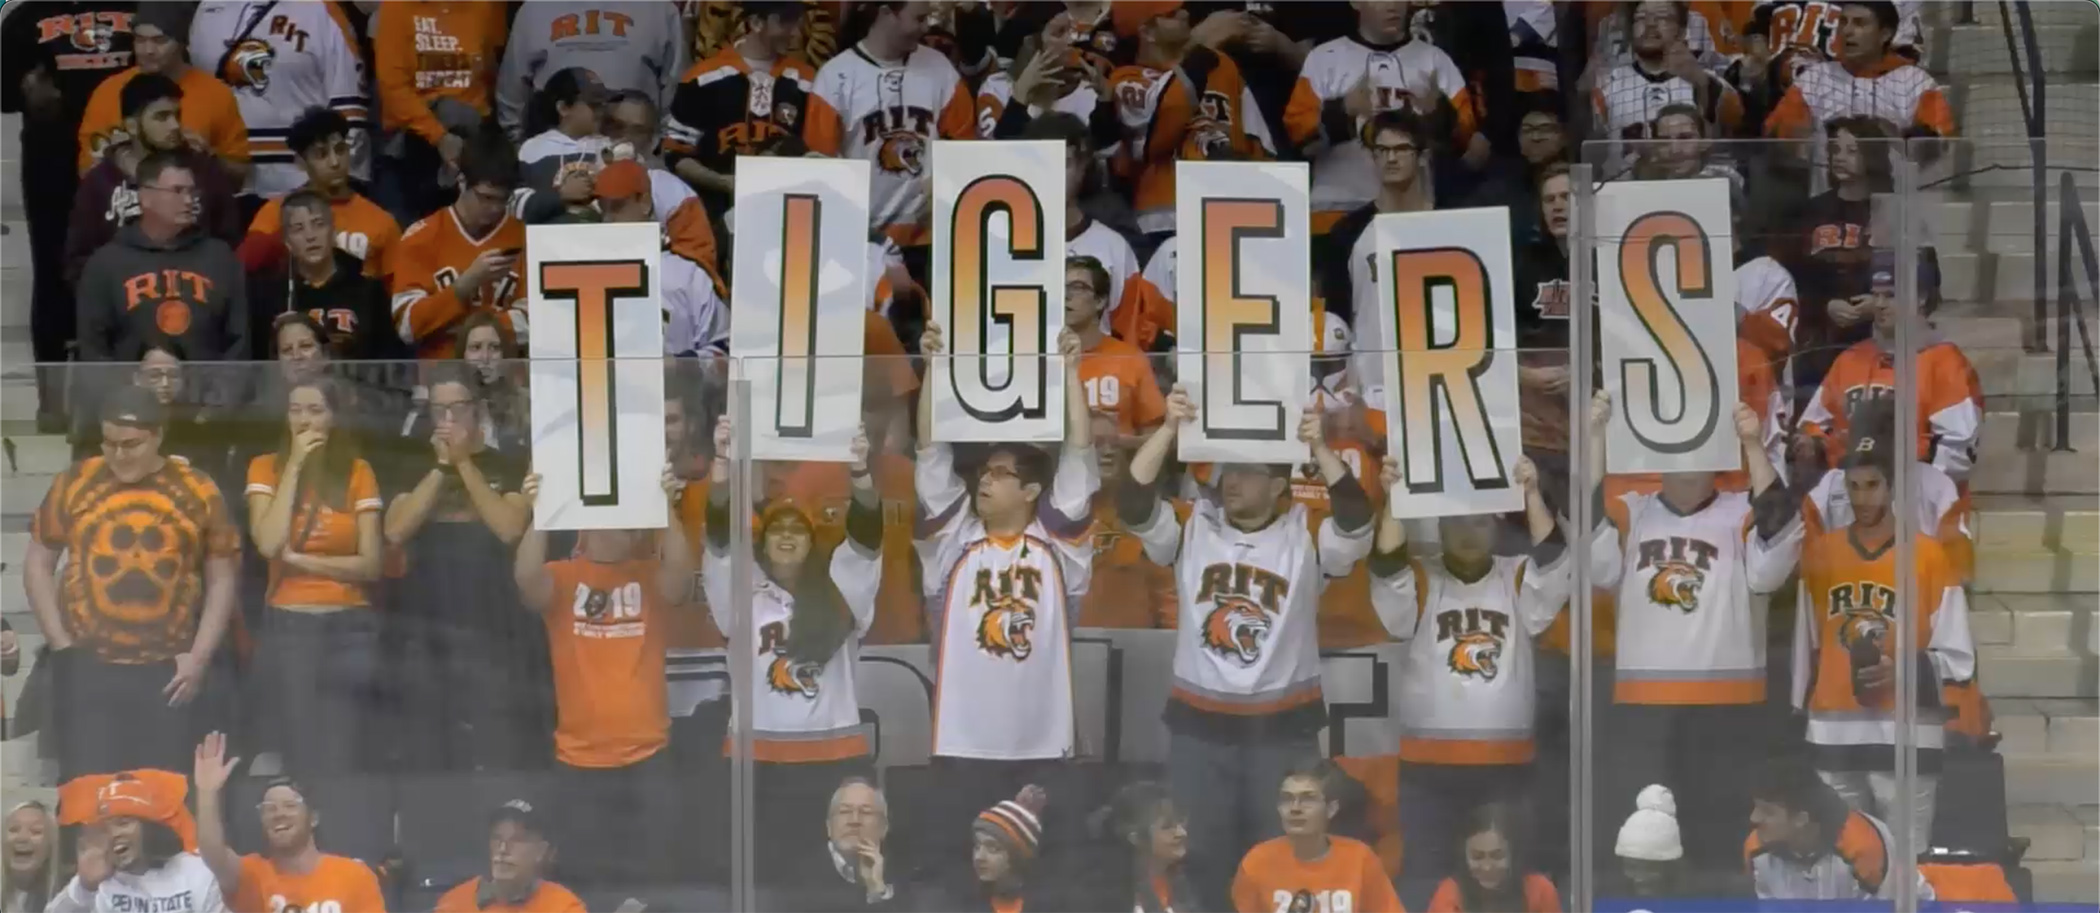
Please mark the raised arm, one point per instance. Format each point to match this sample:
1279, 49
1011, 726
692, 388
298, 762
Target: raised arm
506, 515
674, 569
529, 568
1137, 501
210, 773
1079, 423
1396, 593
941, 494
1750, 431
1543, 588
1151, 456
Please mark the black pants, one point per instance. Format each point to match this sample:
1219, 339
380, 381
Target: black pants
114, 716
462, 698
794, 804
1434, 802
313, 680
615, 823
1707, 756
49, 180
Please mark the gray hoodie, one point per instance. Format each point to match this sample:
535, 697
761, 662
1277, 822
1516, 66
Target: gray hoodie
190, 289
628, 45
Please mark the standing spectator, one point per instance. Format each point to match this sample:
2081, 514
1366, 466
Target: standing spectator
1399, 142
1178, 101
1309, 864
211, 121
1055, 78
1015, 529
519, 858
146, 597
434, 65
291, 873
162, 273
56, 54
1542, 291
321, 144
696, 319
1649, 848
808, 614
317, 277
565, 151
108, 197
134, 855
1378, 67
1128, 591
1494, 877
632, 47
1468, 697
1246, 703
1949, 396
1269, 42
750, 98
885, 102
1805, 844
1867, 78
1005, 841
1662, 72
29, 875
1116, 376
313, 513
283, 60
604, 614
188, 433
470, 671
465, 258
1146, 839
1831, 246
1129, 306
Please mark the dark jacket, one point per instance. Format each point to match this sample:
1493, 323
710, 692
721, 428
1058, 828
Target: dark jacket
189, 288
354, 308
108, 199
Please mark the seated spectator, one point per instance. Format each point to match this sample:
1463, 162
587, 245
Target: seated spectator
291, 872
471, 669
1542, 291
495, 362
520, 856
29, 875
211, 117
1494, 877
433, 104
604, 612
631, 47
320, 144
189, 433
1868, 78
1650, 851
316, 276
1950, 395
135, 855
313, 514
1805, 844
109, 199
750, 98
1006, 840
1178, 101
1308, 861
696, 319
1512, 180
857, 871
464, 259
1145, 839
148, 592
1677, 149
630, 122
1629, 99
565, 151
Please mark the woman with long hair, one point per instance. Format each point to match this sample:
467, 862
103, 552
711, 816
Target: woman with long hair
30, 875
1494, 879
486, 346
1006, 841
135, 856
1145, 838
162, 370
313, 513
565, 146
809, 608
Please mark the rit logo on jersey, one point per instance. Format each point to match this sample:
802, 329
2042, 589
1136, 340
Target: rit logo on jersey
1680, 565
901, 131
1008, 597
1476, 637
1243, 598
1865, 606
169, 288
784, 675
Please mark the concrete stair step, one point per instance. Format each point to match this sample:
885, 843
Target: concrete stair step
2004, 226
2015, 454
2062, 673
2037, 571
2054, 833
1978, 50
1988, 107
2031, 624
2051, 780
2060, 521
2014, 371
2064, 726
2066, 882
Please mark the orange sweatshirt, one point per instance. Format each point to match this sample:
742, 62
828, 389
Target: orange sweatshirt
425, 50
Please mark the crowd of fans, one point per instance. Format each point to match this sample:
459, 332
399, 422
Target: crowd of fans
278, 250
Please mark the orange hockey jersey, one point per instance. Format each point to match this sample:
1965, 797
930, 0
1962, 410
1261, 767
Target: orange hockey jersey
1950, 403
1119, 382
1189, 113
208, 110
429, 259
425, 50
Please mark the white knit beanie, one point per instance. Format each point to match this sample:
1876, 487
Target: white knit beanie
1650, 833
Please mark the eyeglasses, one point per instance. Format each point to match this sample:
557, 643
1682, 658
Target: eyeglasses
135, 445
1000, 472
1383, 150
187, 193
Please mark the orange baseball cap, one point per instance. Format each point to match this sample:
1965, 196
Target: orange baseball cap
1130, 14
621, 180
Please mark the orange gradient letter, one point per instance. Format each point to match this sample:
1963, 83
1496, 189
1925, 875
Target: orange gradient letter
593, 285
1229, 314
795, 407
998, 385
1647, 241
1452, 368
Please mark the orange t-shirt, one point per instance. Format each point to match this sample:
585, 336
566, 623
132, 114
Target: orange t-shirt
208, 110
606, 638
1118, 381
336, 883
1128, 591
1539, 896
1349, 878
825, 488
326, 530
362, 229
548, 897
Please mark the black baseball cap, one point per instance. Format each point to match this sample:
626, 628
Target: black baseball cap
173, 19
521, 813
134, 407
1874, 451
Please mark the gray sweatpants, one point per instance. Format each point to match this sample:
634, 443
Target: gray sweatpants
1228, 792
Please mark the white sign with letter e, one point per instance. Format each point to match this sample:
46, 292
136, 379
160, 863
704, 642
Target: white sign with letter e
801, 295
1244, 322
597, 375
1666, 322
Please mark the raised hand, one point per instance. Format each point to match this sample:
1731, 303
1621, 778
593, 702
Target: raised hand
725, 432
1748, 427
673, 485
306, 442
1525, 474
1312, 429
1600, 410
91, 857
531, 488
930, 340
1389, 475
1180, 408
213, 768
1068, 346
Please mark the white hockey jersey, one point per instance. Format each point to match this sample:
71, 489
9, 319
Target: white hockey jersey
281, 59
1691, 624
888, 114
1003, 611
1767, 306
1467, 693
1249, 639
696, 320
800, 711
997, 91
1163, 270
1414, 75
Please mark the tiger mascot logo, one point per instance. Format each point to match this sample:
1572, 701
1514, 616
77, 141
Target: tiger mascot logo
902, 151
1235, 629
1863, 627
1477, 654
247, 66
1006, 628
1676, 583
786, 676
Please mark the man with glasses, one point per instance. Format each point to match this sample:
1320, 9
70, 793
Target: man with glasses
1399, 144
291, 873
162, 274
463, 258
108, 198
148, 590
